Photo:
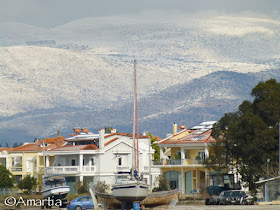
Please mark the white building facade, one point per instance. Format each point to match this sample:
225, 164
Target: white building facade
100, 157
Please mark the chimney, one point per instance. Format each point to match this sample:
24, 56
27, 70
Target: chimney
174, 128
144, 133
101, 137
58, 133
113, 130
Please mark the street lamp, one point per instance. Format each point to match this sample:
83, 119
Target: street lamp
267, 186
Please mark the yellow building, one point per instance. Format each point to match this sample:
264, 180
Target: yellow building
181, 156
28, 158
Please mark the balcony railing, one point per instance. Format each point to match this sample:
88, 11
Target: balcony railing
62, 169
16, 168
146, 168
122, 169
69, 169
89, 168
177, 162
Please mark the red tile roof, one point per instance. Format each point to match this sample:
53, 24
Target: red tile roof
52, 140
191, 138
75, 147
36, 146
90, 147
108, 142
5, 149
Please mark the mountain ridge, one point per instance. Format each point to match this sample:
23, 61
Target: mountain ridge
190, 69
154, 117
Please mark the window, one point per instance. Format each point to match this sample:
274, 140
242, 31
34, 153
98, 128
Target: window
120, 161
186, 154
83, 162
28, 164
92, 161
73, 162
83, 199
201, 155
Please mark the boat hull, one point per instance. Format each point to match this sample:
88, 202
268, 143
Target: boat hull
56, 192
130, 192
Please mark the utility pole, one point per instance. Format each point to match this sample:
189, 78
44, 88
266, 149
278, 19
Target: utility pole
267, 187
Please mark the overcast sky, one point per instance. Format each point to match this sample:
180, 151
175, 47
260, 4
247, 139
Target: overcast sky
50, 13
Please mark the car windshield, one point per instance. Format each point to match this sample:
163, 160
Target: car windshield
238, 193
226, 193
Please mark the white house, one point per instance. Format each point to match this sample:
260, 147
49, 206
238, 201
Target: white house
99, 157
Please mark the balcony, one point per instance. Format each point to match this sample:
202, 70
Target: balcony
177, 162
69, 169
62, 169
88, 169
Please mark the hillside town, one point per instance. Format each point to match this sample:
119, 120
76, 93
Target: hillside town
101, 156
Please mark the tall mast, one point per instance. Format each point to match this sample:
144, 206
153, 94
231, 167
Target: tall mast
136, 110
134, 163
44, 158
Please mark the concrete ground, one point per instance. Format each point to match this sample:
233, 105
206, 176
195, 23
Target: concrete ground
216, 207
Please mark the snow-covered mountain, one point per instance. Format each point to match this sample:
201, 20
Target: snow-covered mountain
80, 73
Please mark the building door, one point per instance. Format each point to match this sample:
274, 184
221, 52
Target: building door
188, 181
202, 179
71, 181
174, 177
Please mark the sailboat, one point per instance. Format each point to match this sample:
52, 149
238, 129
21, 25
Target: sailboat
55, 186
131, 188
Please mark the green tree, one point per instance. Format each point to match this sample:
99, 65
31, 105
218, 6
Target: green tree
6, 180
15, 145
108, 129
248, 137
155, 146
28, 183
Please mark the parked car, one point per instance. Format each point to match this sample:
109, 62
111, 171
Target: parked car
82, 202
197, 191
233, 197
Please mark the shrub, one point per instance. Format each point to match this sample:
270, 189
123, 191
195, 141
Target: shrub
101, 187
81, 187
162, 184
28, 183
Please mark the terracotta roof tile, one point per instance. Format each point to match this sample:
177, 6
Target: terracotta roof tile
36, 146
75, 147
110, 141
191, 138
5, 149
52, 140
90, 147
